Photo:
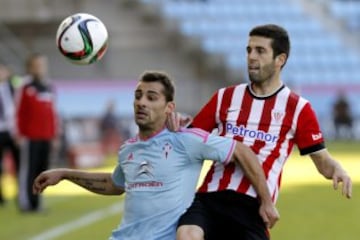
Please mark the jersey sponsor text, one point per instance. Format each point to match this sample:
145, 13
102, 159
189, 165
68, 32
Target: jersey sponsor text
244, 132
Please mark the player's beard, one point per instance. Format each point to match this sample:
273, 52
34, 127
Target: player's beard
145, 128
266, 72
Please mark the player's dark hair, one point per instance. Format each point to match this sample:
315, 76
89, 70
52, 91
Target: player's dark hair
280, 38
164, 79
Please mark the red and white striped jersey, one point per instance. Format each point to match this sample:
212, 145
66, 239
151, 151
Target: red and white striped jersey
270, 125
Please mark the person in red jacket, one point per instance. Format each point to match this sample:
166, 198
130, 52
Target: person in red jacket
37, 127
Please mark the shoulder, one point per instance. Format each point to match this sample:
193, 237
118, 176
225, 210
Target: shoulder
285, 90
28, 85
28, 89
193, 133
127, 146
130, 141
294, 97
241, 86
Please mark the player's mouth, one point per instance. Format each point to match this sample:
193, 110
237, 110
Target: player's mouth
253, 68
140, 114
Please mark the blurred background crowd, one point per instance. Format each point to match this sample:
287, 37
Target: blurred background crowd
201, 43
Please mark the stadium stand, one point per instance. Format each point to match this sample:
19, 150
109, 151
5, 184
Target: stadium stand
346, 11
317, 53
322, 59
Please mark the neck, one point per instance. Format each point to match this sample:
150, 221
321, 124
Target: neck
267, 87
145, 134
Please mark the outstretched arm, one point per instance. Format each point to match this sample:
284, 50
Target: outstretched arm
249, 162
331, 169
100, 183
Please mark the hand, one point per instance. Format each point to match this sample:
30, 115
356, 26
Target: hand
331, 169
269, 214
340, 175
47, 178
177, 120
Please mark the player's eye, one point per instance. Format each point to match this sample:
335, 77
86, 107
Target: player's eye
152, 97
138, 95
260, 50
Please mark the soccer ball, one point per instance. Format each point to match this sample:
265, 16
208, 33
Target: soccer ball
82, 38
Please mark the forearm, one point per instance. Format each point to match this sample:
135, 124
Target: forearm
100, 183
253, 171
331, 169
325, 164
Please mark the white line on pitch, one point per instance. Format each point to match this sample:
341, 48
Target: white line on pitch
80, 222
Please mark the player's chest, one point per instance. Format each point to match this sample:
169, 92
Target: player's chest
151, 162
266, 119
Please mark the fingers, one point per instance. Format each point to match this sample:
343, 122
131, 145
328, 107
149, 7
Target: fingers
347, 188
40, 183
185, 122
172, 121
36, 187
168, 121
346, 185
335, 182
273, 219
266, 221
270, 221
176, 120
36, 190
270, 217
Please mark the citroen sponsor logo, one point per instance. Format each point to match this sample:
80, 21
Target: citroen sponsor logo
145, 168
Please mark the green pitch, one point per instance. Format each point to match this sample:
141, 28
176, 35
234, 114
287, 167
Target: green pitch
309, 207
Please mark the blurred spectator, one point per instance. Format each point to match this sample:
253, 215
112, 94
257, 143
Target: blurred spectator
342, 117
61, 145
110, 130
7, 123
37, 126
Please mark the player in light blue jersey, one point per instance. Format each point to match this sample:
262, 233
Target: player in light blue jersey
158, 169
161, 173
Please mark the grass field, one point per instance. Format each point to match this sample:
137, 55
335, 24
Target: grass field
309, 208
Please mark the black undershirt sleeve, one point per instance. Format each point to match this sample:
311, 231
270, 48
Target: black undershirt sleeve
312, 149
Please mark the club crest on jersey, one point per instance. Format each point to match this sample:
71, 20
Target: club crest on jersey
167, 149
277, 115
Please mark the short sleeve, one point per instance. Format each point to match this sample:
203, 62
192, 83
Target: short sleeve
118, 176
308, 135
205, 119
201, 145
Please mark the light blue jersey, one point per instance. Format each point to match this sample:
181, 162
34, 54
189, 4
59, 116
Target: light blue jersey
160, 177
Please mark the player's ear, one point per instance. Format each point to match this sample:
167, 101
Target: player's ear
170, 107
280, 59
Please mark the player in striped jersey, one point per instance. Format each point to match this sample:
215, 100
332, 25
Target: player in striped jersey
159, 169
270, 118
